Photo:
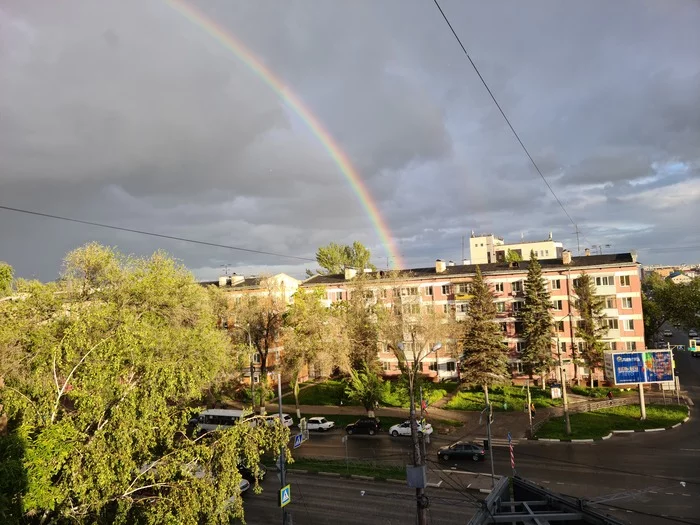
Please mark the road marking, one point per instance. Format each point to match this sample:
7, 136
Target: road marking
546, 482
653, 492
685, 494
437, 485
691, 449
669, 493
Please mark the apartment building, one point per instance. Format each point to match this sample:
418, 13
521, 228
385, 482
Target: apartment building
487, 248
446, 287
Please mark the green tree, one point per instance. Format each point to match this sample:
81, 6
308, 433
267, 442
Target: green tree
358, 318
537, 322
665, 301
334, 258
365, 386
591, 327
100, 372
312, 338
513, 256
6, 277
485, 355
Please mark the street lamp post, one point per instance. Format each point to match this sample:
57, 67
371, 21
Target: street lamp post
252, 367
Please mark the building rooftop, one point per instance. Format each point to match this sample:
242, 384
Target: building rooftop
585, 261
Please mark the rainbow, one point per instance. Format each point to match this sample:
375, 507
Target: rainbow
234, 45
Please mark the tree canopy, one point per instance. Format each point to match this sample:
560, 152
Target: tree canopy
591, 327
537, 321
334, 258
100, 370
485, 355
665, 301
6, 276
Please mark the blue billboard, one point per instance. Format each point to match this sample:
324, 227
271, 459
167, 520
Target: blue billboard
625, 368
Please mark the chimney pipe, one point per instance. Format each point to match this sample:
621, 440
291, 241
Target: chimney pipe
223, 281
587, 251
566, 257
350, 273
451, 263
440, 266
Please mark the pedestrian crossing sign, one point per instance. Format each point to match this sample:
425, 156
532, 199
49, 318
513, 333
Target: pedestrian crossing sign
285, 495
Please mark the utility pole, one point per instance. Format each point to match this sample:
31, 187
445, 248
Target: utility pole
489, 417
529, 404
417, 460
252, 370
563, 390
286, 518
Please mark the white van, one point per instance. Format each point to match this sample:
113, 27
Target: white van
220, 419
287, 420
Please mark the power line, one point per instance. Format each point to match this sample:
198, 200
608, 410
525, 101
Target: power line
522, 145
152, 234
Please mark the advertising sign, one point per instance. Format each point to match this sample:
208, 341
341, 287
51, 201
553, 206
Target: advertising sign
652, 366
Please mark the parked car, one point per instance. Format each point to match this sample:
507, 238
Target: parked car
462, 450
692, 332
668, 333
364, 425
287, 420
319, 423
404, 429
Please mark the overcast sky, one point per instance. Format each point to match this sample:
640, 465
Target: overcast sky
126, 113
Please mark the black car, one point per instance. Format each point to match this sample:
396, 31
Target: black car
364, 425
248, 474
462, 450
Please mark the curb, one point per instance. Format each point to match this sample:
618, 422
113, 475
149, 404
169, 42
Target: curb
612, 433
330, 474
366, 478
297, 471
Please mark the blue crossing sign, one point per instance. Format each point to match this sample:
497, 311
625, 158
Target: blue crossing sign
285, 495
298, 439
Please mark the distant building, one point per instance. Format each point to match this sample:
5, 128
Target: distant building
679, 278
446, 288
487, 248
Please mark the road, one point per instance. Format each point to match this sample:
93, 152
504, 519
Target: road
652, 462
320, 500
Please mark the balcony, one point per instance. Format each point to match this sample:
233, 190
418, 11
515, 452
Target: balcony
605, 290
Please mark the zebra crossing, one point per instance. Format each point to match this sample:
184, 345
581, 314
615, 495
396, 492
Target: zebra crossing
496, 442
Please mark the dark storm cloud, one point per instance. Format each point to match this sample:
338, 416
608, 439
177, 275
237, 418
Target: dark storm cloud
127, 113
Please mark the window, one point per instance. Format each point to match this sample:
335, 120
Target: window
631, 345
519, 346
498, 287
605, 280
256, 358
368, 294
428, 290
445, 308
446, 289
517, 366
612, 345
500, 307
451, 366
464, 307
464, 288
557, 304
612, 324
504, 328
386, 365
518, 306
610, 302
556, 284
627, 302
560, 326
519, 328
576, 282
624, 280
563, 348
517, 286
256, 378
338, 296
546, 252
411, 308
413, 290
580, 347
629, 325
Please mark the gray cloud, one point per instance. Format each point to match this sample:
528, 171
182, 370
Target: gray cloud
130, 114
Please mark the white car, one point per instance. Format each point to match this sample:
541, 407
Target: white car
404, 429
287, 420
319, 423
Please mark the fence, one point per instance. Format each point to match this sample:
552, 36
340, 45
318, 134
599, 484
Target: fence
599, 404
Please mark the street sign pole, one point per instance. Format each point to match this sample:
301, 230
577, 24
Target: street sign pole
283, 467
642, 406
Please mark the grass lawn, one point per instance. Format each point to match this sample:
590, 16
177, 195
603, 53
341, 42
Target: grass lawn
601, 392
503, 398
327, 393
358, 468
600, 423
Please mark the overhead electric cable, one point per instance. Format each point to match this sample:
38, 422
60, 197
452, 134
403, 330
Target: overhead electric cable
153, 234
